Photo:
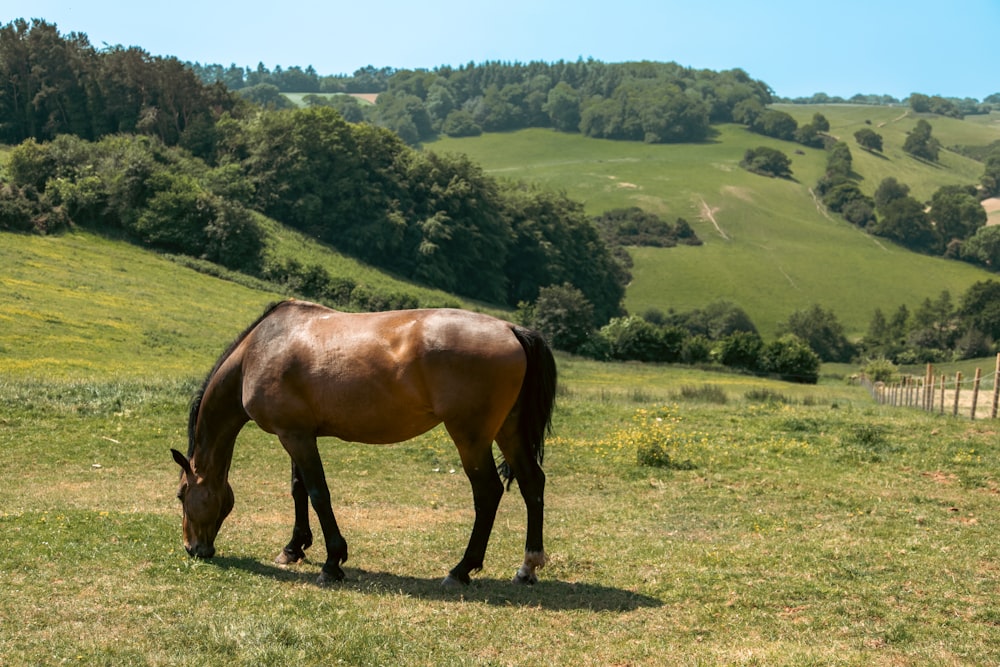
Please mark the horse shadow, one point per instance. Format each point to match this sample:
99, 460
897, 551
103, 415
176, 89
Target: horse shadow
553, 595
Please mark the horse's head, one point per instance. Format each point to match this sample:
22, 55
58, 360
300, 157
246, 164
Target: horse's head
205, 507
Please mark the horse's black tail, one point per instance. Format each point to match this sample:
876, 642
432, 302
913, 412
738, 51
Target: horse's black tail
537, 398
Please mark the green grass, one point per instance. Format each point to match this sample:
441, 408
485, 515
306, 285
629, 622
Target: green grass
817, 528
770, 250
800, 532
76, 304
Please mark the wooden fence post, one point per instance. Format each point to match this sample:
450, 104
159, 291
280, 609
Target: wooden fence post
996, 389
975, 392
929, 388
958, 390
943, 377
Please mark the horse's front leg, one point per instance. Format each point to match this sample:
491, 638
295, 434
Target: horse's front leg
305, 457
302, 537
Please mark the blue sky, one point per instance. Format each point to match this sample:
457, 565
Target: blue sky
798, 48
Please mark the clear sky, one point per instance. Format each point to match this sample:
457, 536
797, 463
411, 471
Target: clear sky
798, 48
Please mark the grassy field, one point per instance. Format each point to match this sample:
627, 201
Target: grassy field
692, 517
768, 247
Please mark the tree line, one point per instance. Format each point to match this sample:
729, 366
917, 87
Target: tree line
955, 107
723, 334
52, 84
643, 101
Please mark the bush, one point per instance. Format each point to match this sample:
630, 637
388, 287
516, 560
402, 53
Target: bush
791, 359
879, 369
635, 339
767, 161
741, 350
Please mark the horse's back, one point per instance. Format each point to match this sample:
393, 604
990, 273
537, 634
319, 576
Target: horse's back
379, 377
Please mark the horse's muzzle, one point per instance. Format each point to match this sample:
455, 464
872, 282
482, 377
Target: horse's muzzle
200, 551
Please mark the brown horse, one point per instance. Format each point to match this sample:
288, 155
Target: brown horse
302, 370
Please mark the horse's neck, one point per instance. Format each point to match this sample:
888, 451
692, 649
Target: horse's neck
220, 418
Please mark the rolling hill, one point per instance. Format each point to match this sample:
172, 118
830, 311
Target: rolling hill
769, 246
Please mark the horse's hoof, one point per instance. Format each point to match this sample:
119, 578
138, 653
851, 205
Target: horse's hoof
329, 578
285, 558
522, 580
453, 583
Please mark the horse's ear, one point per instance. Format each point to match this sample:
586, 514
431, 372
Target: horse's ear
182, 461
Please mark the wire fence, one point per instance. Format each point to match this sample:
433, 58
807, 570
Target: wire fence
977, 397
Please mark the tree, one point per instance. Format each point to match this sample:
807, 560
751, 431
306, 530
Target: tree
980, 308
461, 123
905, 221
983, 246
991, 173
266, 95
717, 320
633, 338
934, 325
774, 123
888, 191
821, 331
405, 115
820, 122
564, 316
791, 359
869, 139
563, 107
767, 161
956, 213
919, 142
742, 350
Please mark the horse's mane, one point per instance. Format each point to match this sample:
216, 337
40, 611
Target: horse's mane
196, 402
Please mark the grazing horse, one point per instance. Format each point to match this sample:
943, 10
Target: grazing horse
302, 371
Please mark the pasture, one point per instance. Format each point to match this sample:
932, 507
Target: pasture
769, 247
692, 517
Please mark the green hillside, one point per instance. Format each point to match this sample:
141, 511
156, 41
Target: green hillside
77, 305
768, 246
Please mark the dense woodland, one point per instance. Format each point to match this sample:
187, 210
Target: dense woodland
644, 101
184, 158
181, 165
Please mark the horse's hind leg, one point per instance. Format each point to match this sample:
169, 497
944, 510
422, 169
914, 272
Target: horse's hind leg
302, 536
487, 489
531, 481
305, 457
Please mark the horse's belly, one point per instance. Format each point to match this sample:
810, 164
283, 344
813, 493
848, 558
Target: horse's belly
377, 427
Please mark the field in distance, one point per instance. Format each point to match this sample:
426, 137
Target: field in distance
769, 246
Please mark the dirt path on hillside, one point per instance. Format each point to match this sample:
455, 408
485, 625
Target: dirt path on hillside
819, 205
708, 214
822, 209
896, 119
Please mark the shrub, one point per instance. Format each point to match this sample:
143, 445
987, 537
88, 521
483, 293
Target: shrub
879, 369
791, 359
741, 349
767, 161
